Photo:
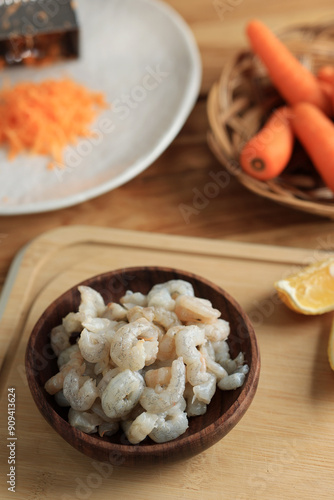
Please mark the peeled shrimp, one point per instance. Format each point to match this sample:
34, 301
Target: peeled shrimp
141, 427
186, 341
195, 310
65, 356
122, 394
169, 427
56, 382
92, 303
211, 364
134, 345
159, 377
84, 421
115, 312
91, 306
205, 392
217, 331
232, 381
138, 312
161, 401
80, 397
106, 379
194, 406
167, 348
93, 346
164, 318
60, 339
164, 294
131, 299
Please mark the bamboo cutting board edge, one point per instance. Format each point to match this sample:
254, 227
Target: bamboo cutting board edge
24, 271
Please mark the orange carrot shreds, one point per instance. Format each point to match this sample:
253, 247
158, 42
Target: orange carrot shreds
316, 133
43, 118
293, 80
267, 153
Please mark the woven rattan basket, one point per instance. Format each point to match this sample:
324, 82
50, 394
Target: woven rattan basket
240, 102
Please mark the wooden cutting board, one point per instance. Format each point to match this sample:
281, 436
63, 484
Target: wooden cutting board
283, 448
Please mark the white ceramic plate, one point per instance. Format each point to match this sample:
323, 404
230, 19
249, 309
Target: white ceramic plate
143, 57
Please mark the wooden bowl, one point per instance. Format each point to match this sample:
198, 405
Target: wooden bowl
224, 411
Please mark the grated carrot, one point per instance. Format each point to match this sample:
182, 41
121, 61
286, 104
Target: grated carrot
43, 118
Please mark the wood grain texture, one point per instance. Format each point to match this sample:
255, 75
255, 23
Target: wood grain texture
281, 448
152, 201
224, 411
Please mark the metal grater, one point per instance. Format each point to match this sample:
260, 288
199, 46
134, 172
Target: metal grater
37, 31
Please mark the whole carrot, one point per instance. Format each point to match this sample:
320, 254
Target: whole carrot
294, 82
267, 153
326, 74
316, 133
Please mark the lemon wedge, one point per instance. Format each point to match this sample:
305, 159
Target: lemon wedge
310, 290
330, 350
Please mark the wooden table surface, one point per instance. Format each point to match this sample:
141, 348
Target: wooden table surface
153, 200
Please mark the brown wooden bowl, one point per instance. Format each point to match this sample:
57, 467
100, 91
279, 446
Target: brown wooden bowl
224, 411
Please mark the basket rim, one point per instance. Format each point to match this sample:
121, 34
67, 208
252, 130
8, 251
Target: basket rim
223, 108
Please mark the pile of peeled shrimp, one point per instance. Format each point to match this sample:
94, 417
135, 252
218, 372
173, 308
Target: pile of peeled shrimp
145, 364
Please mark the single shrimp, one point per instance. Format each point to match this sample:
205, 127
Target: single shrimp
56, 382
195, 310
205, 392
109, 374
65, 356
131, 299
60, 339
80, 396
164, 294
169, 426
194, 406
187, 339
222, 356
99, 325
232, 381
115, 312
122, 394
135, 345
161, 401
159, 377
84, 421
217, 331
141, 427
93, 346
167, 349
164, 318
91, 306
138, 312
98, 410
211, 365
